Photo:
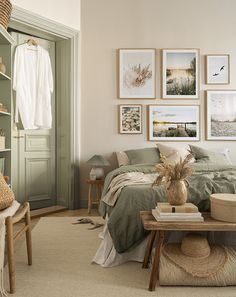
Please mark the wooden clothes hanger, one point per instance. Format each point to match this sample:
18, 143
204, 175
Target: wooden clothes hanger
33, 42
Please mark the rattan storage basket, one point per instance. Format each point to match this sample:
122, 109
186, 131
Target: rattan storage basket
5, 12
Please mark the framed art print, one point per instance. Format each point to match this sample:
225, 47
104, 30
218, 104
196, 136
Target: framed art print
221, 115
130, 119
180, 73
218, 69
137, 73
174, 123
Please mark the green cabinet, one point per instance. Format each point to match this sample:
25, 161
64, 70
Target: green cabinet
6, 42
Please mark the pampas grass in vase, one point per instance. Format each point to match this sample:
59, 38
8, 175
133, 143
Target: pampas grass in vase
173, 176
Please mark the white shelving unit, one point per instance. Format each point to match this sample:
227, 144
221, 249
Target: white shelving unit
4, 113
6, 42
4, 76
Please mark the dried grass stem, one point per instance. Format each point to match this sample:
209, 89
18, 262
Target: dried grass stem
173, 172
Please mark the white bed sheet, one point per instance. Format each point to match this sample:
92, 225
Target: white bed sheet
107, 256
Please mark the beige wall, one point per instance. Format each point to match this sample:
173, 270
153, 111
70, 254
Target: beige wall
110, 24
62, 11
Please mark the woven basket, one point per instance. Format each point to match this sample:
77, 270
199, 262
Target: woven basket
5, 12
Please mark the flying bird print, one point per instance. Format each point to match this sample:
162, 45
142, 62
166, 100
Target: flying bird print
222, 68
215, 74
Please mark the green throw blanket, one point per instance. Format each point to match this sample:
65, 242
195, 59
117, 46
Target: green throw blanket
124, 222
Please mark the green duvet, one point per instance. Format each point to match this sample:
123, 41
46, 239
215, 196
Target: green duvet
124, 222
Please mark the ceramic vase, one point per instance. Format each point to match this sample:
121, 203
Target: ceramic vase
2, 66
96, 173
177, 193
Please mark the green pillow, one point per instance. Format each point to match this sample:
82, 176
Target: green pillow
149, 155
205, 156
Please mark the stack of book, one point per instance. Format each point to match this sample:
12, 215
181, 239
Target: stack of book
3, 108
188, 212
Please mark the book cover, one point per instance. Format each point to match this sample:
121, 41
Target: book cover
176, 219
178, 214
165, 207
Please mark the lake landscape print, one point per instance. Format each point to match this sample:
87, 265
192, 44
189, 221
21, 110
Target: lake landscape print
180, 74
221, 115
174, 122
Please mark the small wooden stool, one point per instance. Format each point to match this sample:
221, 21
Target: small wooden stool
98, 183
23, 215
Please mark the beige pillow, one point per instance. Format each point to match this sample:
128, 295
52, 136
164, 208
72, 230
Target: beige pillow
171, 154
122, 159
6, 194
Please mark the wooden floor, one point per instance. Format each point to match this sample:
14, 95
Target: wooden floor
67, 213
76, 213
46, 211
61, 211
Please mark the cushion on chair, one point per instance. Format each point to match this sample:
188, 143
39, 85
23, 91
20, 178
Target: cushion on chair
6, 194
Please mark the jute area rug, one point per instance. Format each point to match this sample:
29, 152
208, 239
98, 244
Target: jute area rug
62, 267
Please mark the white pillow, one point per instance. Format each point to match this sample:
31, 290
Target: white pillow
122, 158
224, 151
172, 154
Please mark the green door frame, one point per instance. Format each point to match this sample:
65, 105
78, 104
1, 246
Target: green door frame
26, 21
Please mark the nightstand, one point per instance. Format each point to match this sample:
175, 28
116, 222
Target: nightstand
97, 185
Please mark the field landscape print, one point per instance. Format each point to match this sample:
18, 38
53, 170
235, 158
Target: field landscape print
174, 122
221, 106
180, 73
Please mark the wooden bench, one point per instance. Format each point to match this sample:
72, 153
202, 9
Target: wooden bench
159, 228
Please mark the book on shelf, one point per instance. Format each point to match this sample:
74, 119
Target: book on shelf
2, 165
3, 108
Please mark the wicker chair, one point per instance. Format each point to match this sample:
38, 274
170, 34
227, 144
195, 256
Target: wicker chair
5, 12
23, 216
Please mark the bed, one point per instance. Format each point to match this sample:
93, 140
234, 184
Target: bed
124, 236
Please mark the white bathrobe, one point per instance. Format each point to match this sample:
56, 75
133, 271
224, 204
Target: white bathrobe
33, 83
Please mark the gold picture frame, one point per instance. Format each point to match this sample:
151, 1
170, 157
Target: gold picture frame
130, 118
217, 69
180, 73
136, 73
174, 124
220, 115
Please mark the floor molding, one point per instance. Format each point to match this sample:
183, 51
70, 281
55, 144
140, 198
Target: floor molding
46, 211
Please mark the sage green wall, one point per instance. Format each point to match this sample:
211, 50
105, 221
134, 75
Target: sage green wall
110, 24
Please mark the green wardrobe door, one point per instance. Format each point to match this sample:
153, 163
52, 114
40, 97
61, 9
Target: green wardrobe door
34, 151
